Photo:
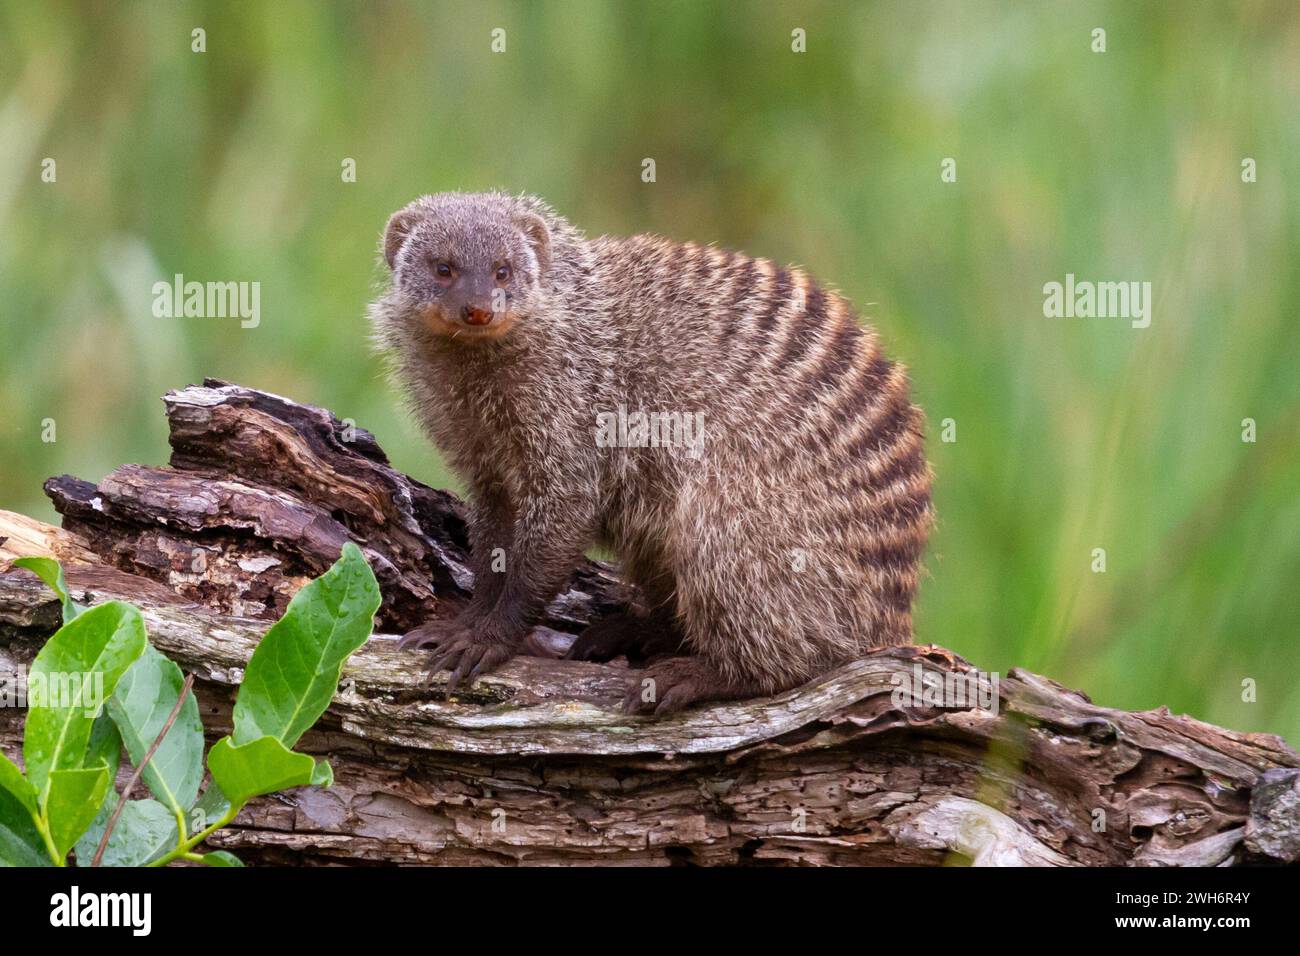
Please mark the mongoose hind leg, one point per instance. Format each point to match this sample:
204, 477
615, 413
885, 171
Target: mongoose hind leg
638, 637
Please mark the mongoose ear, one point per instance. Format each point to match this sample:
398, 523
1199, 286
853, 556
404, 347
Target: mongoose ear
539, 235
395, 233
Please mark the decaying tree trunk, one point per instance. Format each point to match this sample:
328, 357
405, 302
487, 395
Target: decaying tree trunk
535, 763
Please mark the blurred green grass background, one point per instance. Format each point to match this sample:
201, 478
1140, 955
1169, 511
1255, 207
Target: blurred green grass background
1072, 434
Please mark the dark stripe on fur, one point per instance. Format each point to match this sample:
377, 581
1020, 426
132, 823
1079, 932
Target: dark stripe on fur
777, 299
804, 328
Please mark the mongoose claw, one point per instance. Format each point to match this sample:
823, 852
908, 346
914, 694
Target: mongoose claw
467, 657
427, 635
456, 646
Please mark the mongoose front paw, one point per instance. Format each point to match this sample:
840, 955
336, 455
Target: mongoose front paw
677, 682
467, 650
468, 657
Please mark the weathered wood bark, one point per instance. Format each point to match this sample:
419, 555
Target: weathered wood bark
535, 763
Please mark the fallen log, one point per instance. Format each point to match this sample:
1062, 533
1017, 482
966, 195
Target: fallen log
535, 763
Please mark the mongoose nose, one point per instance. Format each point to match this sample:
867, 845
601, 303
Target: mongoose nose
475, 316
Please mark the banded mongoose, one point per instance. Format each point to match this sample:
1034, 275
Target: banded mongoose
782, 541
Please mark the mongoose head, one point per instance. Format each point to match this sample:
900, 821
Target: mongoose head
469, 266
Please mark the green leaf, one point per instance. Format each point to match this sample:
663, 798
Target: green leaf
12, 780
222, 858
323, 775
75, 796
51, 572
20, 841
261, 766
140, 705
89, 841
104, 748
294, 672
145, 831
64, 692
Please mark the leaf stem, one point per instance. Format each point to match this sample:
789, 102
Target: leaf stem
182, 833
42, 827
183, 848
135, 777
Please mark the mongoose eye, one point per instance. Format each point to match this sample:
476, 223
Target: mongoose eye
503, 273
442, 270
